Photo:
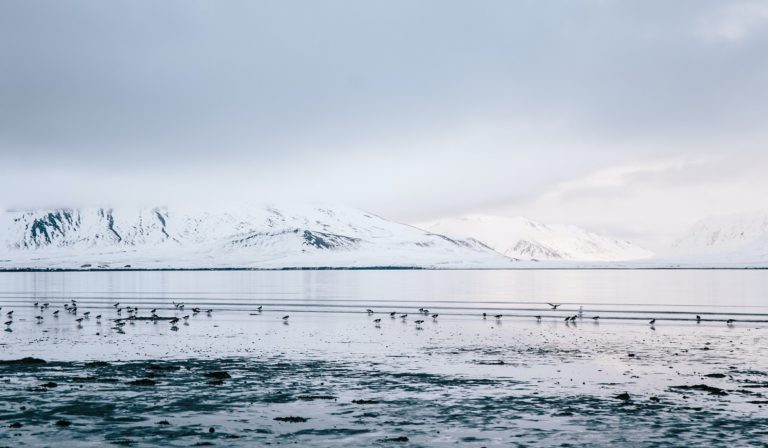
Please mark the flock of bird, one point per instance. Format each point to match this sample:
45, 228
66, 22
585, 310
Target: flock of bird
118, 322
132, 315
569, 319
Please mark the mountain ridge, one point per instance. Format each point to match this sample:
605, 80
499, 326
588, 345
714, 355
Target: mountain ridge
270, 237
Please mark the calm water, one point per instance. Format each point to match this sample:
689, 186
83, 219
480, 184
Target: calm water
331, 375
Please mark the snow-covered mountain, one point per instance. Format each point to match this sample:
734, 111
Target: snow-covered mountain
524, 239
740, 238
240, 237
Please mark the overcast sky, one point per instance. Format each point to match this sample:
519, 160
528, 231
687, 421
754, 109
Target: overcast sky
634, 118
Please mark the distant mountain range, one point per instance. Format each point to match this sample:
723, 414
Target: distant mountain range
727, 239
279, 237
243, 237
524, 239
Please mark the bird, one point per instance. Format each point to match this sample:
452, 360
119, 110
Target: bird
573, 318
56, 313
652, 321
39, 318
434, 316
554, 305
285, 318
98, 317
186, 317
567, 318
35, 305
154, 311
116, 304
403, 316
538, 318
729, 322
259, 308
698, 319
174, 328
419, 322
8, 323
595, 318
79, 320
377, 321
173, 321
484, 315
392, 314
369, 311
87, 314
209, 311
9, 313
498, 316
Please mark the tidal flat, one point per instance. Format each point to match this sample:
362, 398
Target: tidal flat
330, 376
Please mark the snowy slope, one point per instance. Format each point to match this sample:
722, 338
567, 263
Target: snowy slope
740, 238
241, 237
524, 239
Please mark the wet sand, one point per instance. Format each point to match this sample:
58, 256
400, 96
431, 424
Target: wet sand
243, 378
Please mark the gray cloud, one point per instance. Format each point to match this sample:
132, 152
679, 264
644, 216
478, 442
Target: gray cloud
415, 109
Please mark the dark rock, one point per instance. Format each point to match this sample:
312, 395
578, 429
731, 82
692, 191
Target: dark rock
625, 396
291, 419
211, 430
63, 423
365, 402
15, 425
396, 439
702, 387
143, 382
715, 375
50, 385
163, 422
218, 375
23, 361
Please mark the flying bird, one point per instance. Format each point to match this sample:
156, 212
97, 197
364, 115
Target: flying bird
554, 305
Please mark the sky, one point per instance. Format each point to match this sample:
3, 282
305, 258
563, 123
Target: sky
631, 118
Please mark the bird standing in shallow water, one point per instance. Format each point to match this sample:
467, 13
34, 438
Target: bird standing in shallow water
652, 321
729, 322
698, 319
596, 318
498, 316
286, 317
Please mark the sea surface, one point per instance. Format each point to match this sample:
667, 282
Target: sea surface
331, 375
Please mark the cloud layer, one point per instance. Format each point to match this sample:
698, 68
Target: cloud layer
413, 109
